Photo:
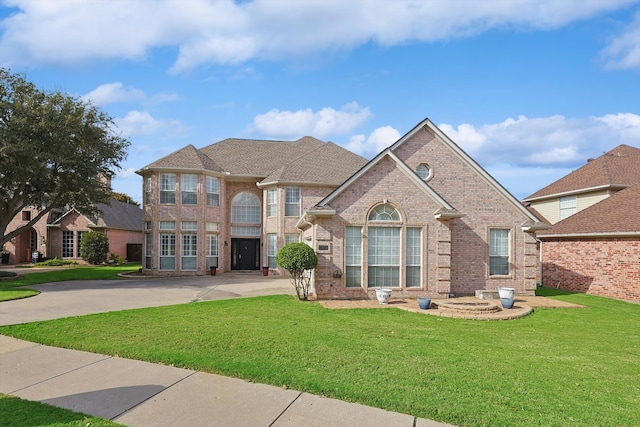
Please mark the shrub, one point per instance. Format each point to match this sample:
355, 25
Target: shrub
95, 247
56, 262
298, 259
116, 259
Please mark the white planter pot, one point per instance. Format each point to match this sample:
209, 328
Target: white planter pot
383, 295
506, 292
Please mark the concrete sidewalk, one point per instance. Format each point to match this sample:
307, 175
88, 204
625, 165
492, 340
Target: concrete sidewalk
138, 393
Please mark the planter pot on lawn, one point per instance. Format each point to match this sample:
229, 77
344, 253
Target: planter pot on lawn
506, 292
383, 295
507, 302
424, 303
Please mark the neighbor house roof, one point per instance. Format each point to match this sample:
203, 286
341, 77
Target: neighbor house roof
117, 215
615, 215
306, 160
615, 169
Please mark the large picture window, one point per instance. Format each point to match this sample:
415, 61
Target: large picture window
67, 244
384, 256
498, 252
245, 209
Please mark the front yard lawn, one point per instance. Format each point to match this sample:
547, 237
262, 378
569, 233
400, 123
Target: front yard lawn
555, 367
16, 289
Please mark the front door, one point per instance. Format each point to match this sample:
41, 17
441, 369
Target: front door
245, 254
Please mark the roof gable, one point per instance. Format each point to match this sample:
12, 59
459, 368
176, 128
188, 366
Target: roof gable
617, 214
186, 158
617, 168
117, 215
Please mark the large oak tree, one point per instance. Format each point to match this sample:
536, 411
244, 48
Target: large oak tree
56, 151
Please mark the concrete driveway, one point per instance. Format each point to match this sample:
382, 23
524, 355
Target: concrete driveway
80, 297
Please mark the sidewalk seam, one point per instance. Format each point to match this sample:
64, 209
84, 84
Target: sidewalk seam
285, 409
105, 357
152, 396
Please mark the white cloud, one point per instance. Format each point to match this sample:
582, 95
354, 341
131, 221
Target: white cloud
110, 93
377, 141
554, 141
320, 124
142, 123
224, 31
624, 50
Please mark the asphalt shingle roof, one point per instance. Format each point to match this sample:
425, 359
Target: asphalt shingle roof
618, 167
306, 160
618, 213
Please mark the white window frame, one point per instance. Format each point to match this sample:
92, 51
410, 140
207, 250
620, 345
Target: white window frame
292, 199
413, 257
189, 189
168, 188
272, 250
167, 253
147, 190
213, 191
189, 260
212, 250
567, 206
272, 202
353, 257
499, 252
383, 256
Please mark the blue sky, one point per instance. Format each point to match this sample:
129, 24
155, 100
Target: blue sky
530, 89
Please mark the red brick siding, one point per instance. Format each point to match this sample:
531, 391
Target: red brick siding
604, 267
455, 252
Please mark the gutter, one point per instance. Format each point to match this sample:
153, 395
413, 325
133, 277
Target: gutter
587, 235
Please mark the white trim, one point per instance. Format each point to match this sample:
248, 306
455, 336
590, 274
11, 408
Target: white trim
587, 235
575, 192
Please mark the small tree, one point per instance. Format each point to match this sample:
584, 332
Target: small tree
95, 247
297, 258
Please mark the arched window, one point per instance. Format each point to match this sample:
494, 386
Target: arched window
245, 209
384, 212
246, 215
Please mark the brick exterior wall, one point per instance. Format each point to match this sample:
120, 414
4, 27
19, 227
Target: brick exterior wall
455, 252
605, 267
155, 212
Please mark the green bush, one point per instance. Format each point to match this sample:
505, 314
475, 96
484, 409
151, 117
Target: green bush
56, 262
7, 274
298, 259
95, 247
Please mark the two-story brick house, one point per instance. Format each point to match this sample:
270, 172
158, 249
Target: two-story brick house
594, 244
233, 204
422, 217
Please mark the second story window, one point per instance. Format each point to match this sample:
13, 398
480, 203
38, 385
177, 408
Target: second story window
272, 202
147, 189
213, 191
292, 201
568, 206
189, 189
168, 188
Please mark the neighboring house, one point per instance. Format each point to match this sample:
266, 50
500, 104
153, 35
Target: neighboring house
594, 244
422, 217
59, 233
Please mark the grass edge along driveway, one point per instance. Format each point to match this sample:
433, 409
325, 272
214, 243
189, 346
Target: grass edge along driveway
553, 367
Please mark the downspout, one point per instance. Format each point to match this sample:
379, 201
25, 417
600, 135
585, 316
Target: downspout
540, 260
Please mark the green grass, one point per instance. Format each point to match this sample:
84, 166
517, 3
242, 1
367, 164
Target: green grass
16, 289
554, 367
16, 412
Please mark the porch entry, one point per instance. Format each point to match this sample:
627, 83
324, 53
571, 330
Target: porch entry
245, 254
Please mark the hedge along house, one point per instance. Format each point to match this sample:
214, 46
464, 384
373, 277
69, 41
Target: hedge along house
233, 204
421, 218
